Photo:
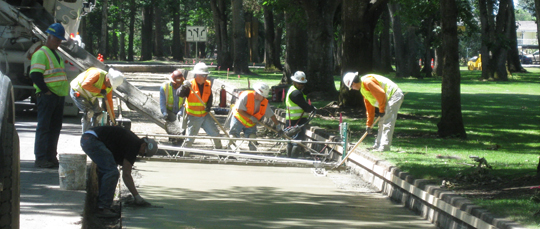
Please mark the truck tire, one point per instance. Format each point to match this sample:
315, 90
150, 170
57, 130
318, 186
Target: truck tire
9, 151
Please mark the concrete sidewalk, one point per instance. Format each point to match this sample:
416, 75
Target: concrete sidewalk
43, 203
195, 195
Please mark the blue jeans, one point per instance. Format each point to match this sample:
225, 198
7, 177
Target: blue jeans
107, 170
194, 124
85, 106
237, 127
50, 111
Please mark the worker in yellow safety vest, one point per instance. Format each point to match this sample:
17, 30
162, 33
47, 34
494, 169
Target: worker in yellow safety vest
50, 80
90, 85
380, 92
250, 108
298, 111
197, 112
171, 105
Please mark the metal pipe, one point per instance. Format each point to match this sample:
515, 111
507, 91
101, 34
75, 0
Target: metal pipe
240, 139
251, 156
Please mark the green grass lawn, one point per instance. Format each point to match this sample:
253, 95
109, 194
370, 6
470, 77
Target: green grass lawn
501, 115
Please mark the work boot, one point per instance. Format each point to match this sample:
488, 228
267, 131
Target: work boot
217, 144
289, 150
187, 145
252, 144
43, 164
55, 162
295, 151
106, 213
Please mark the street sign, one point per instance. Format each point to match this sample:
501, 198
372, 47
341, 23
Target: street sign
196, 33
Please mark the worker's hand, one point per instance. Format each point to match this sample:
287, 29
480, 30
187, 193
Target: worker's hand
368, 130
140, 201
103, 92
253, 119
379, 115
48, 93
187, 83
208, 108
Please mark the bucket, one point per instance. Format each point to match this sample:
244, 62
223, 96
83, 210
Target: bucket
72, 171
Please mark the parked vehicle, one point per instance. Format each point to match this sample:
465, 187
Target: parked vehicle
535, 57
475, 63
9, 158
525, 59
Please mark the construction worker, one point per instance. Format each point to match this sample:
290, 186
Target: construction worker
109, 146
251, 107
381, 92
171, 105
50, 80
196, 90
92, 84
297, 111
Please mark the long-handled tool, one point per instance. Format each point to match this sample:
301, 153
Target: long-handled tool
356, 145
109, 110
211, 115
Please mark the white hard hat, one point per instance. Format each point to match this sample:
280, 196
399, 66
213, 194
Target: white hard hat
299, 77
115, 77
261, 89
348, 79
200, 68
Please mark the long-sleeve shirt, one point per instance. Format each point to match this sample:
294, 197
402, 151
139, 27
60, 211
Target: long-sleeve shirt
37, 77
298, 98
184, 91
377, 91
163, 101
88, 84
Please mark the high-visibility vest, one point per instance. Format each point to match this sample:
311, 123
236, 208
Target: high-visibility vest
52, 68
169, 96
194, 106
388, 86
250, 106
76, 84
294, 112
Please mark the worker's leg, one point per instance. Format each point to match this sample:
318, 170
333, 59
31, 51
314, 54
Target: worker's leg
251, 133
210, 127
235, 130
389, 122
193, 126
55, 128
107, 169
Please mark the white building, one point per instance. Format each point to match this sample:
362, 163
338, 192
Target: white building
526, 36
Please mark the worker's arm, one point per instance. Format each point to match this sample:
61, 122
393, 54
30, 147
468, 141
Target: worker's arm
162, 101
370, 113
37, 78
128, 179
91, 79
298, 98
209, 102
182, 91
109, 99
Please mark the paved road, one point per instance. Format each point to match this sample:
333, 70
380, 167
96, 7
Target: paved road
234, 196
43, 203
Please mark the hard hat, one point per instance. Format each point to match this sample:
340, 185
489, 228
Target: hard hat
115, 77
261, 89
151, 147
200, 68
348, 79
299, 77
57, 30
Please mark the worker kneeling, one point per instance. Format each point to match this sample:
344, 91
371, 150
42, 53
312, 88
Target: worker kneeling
199, 101
92, 84
250, 108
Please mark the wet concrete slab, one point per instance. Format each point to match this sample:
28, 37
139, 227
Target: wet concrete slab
235, 196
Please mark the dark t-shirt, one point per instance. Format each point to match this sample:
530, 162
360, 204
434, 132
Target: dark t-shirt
123, 143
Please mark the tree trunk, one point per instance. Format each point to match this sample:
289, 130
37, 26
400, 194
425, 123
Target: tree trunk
499, 50
132, 12
428, 28
486, 9
411, 56
278, 19
113, 54
104, 32
219, 12
269, 38
451, 124
241, 51
122, 51
399, 41
158, 32
176, 47
86, 35
320, 18
252, 31
146, 32
537, 10
385, 55
514, 64
296, 45
438, 62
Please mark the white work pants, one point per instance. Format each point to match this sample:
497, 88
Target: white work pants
388, 121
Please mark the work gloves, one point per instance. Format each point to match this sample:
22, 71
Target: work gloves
187, 84
379, 114
140, 201
253, 119
368, 130
103, 92
208, 108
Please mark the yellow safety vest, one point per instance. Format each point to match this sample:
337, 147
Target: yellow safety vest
294, 112
169, 96
388, 86
76, 84
43, 61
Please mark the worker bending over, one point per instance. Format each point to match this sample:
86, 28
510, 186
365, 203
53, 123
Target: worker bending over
197, 112
109, 146
250, 108
92, 84
297, 111
381, 92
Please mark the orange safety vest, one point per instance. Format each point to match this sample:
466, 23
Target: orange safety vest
250, 105
194, 106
